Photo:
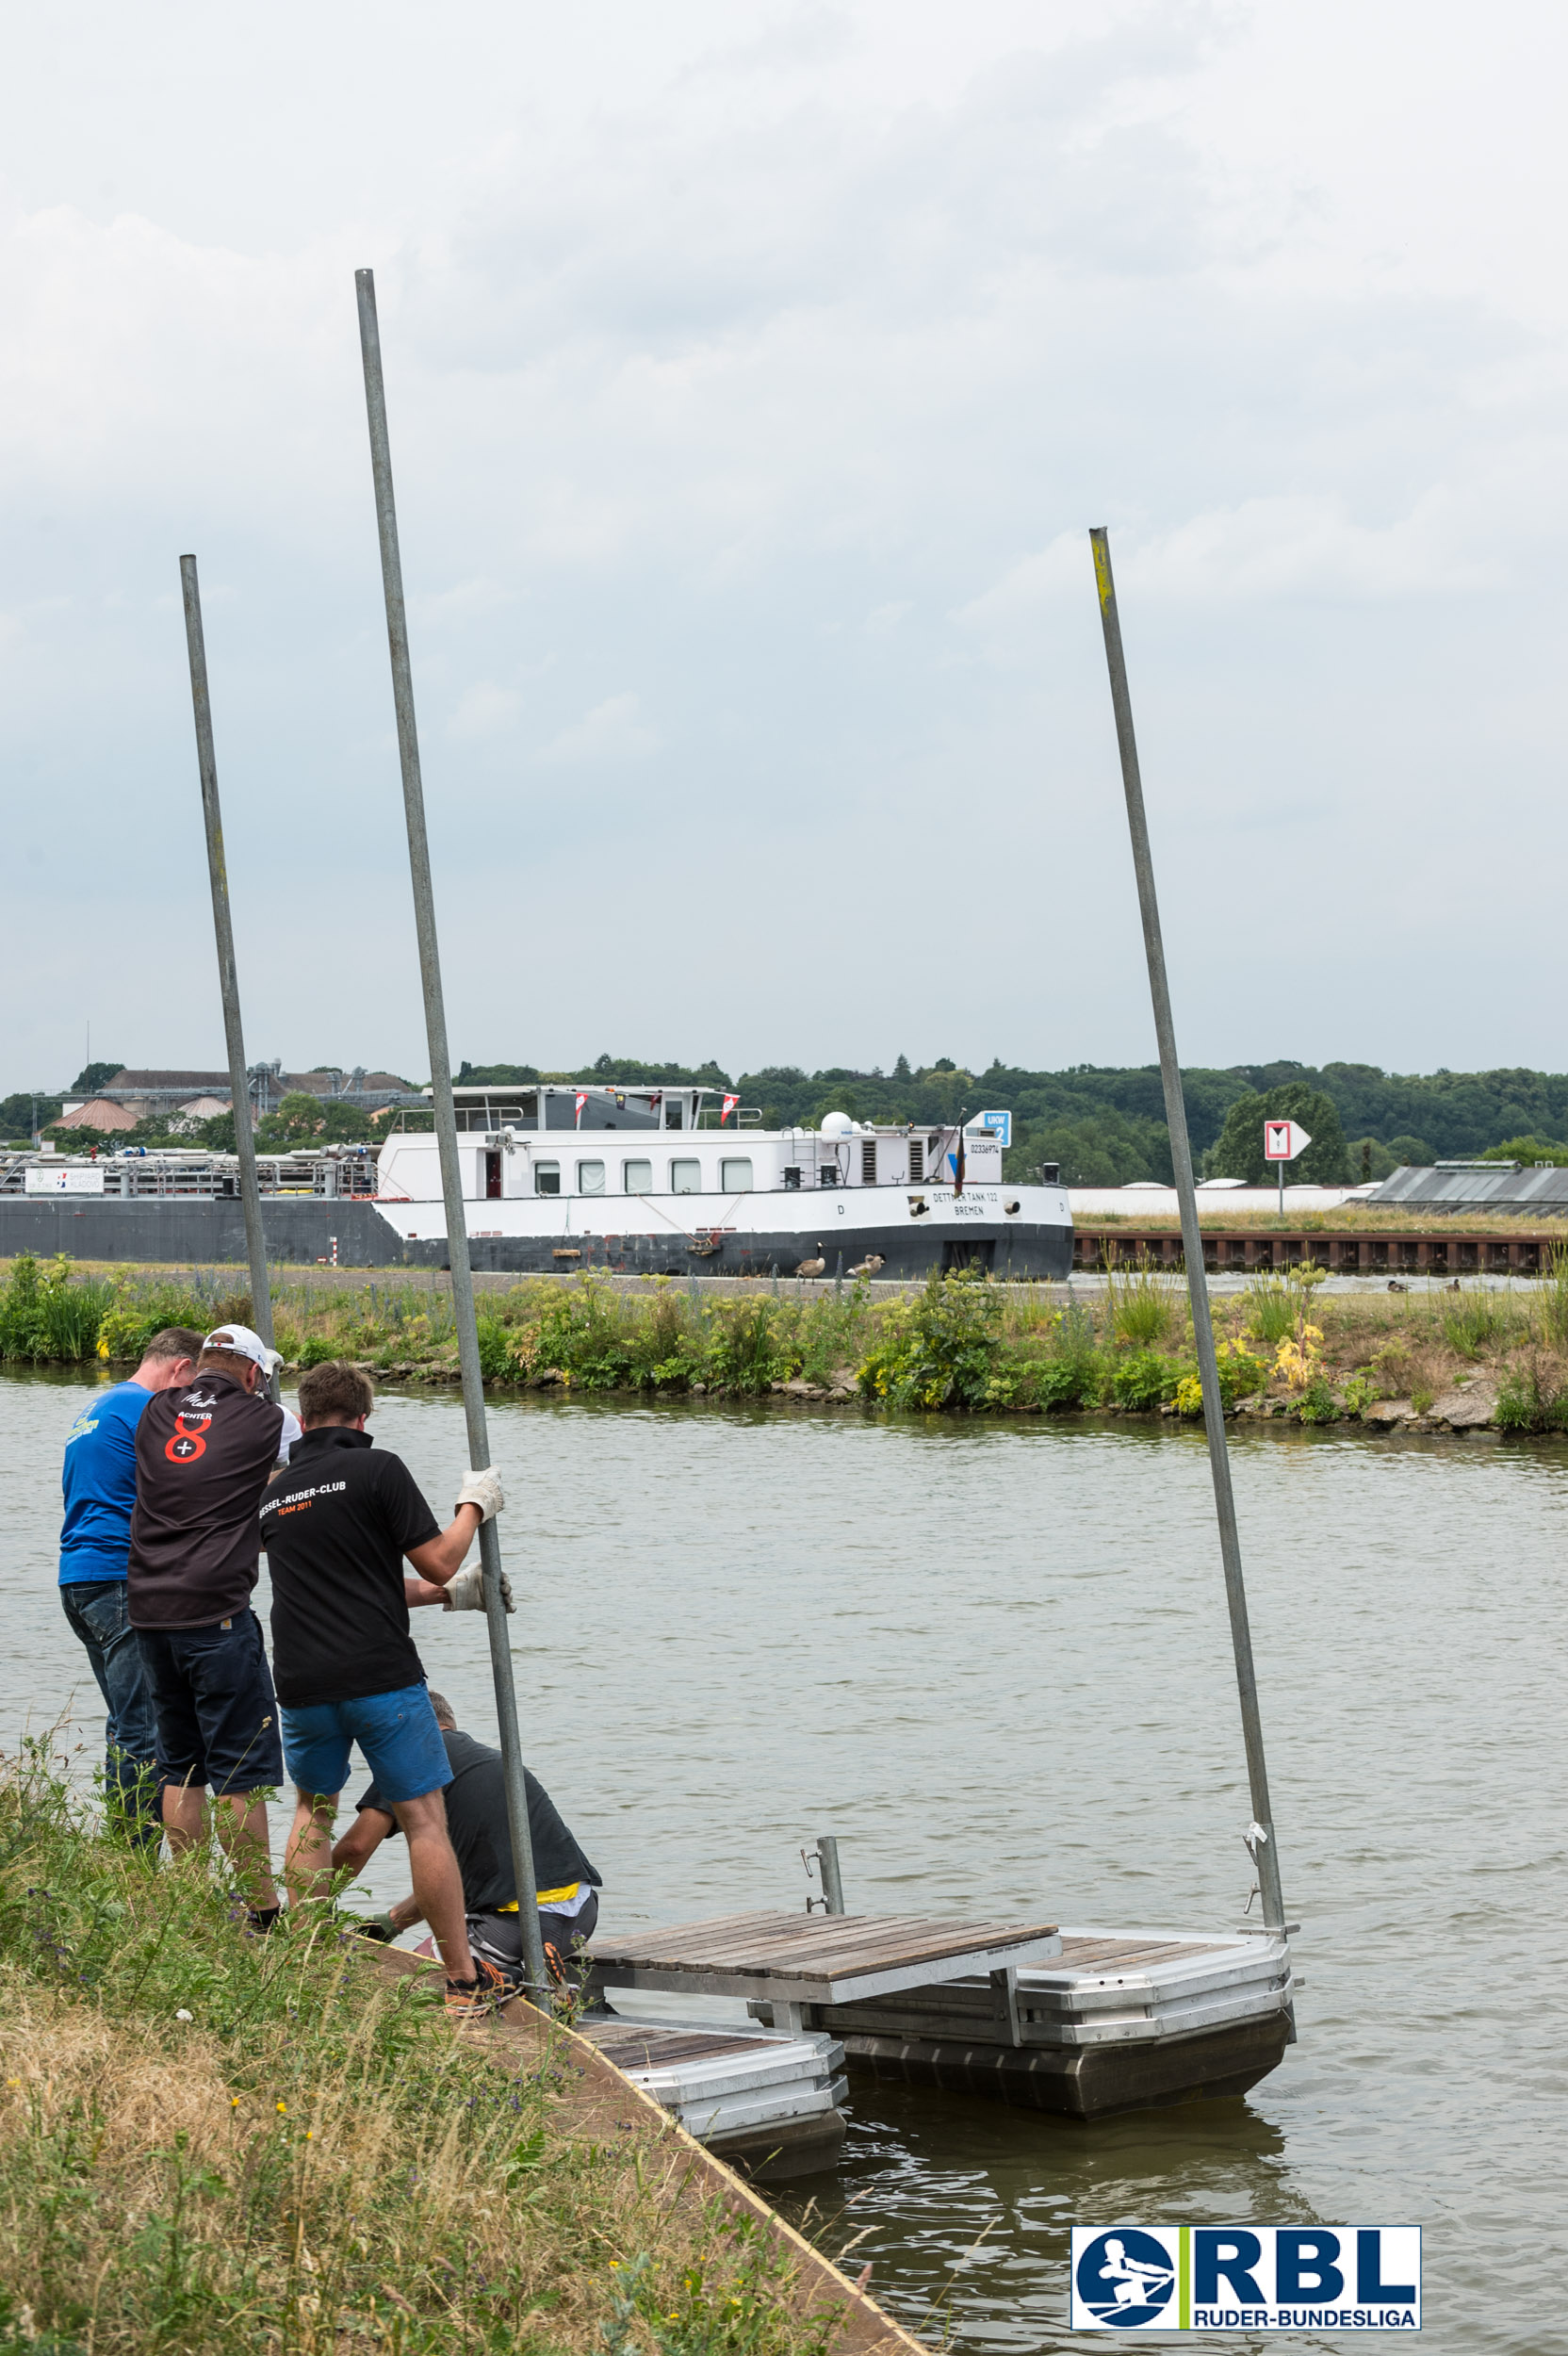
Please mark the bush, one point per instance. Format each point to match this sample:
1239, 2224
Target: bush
1475, 1320
941, 1349
50, 1313
1144, 1381
1532, 1400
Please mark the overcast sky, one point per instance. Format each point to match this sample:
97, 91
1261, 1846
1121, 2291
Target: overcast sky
755, 373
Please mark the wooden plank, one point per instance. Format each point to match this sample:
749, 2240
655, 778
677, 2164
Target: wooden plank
817, 1956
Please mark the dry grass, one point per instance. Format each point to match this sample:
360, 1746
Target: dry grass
312, 2160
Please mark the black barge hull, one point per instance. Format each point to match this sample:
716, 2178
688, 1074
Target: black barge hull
186, 1230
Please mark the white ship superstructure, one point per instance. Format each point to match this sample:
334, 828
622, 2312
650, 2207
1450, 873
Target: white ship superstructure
663, 1181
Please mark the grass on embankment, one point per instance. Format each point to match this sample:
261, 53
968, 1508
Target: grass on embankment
210, 2141
962, 1343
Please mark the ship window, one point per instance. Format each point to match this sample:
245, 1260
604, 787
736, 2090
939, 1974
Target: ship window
685, 1177
637, 1177
917, 1161
672, 1115
546, 1177
735, 1177
590, 1177
868, 1161
828, 1174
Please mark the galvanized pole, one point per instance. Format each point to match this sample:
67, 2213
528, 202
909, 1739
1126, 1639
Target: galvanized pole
1261, 1840
832, 1881
446, 1126
228, 983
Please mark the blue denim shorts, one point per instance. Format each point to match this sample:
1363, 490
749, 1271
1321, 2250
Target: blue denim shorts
397, 1732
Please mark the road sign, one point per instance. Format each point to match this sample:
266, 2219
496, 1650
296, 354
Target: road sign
1001, 1122
1283, 1140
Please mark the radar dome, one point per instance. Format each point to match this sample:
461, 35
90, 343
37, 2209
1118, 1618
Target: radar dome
836, 1125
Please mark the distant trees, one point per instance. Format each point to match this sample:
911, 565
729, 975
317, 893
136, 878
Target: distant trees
1237, 1153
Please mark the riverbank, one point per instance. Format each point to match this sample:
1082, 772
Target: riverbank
212, 2141
1467, 1358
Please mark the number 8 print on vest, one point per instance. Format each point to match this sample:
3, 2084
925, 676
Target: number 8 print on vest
185, 1447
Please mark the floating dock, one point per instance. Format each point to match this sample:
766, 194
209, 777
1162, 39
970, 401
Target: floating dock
764, 2102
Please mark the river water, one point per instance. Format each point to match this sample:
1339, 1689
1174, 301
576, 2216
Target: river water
994, 1660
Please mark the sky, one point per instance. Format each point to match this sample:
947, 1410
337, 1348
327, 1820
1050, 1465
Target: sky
755, 373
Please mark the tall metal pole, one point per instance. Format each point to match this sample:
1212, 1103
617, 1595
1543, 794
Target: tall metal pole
1260, 1839
228, 983
446, 1124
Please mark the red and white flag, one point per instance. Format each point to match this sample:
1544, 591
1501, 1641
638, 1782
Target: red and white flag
581, 1100
729, 1104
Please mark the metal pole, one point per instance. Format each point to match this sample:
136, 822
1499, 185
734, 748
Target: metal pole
228, 981
446, 1127
832, 1884
1260, 1839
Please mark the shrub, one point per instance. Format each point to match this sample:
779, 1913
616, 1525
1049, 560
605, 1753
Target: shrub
50, 1313
1532, 1400
1272, 1311
1144, 1380
940, 1349
1240, 1375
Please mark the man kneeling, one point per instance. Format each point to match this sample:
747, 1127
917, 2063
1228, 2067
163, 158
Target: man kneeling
338, 1526
476, 1814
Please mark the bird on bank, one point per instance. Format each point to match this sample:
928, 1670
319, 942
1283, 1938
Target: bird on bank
868, 1265
812, 1268
1395, 1286
1454, 1287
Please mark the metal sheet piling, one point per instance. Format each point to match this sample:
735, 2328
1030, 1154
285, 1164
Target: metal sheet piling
446, 1124
228, 983
1260, 1838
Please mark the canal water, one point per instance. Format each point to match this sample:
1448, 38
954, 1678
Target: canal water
994, 1660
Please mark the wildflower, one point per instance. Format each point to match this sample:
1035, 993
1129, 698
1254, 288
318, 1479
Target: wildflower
282, 2109
310, 2135
234, 2102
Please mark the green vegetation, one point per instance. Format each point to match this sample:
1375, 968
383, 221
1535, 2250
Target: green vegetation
1530, 1152
959, 1344
215, 2142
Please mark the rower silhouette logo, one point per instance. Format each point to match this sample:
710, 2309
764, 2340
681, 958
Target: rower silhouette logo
1126, 2277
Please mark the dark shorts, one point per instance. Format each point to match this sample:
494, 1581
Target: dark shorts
217, 1715
397, 1733
500, 1937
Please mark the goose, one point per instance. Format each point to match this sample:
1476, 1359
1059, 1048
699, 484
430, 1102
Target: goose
812, 1268
1395, 1286
868, 1265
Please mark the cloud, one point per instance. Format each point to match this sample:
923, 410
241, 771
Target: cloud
610, 733
484, 710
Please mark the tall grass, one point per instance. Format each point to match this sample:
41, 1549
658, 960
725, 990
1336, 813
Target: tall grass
1143, 1304
211, 2142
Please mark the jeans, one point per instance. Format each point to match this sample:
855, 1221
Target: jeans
97, 1612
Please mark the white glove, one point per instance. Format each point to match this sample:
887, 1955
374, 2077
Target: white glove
466, 1592
485, 1490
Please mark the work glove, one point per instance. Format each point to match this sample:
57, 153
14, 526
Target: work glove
466, 1592
380, 1927
483, 1489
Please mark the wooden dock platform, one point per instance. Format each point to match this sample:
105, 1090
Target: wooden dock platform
797, 1962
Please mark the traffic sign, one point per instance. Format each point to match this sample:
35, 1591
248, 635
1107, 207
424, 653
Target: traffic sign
1283, 1140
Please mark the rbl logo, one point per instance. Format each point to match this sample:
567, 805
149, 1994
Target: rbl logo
187, 1446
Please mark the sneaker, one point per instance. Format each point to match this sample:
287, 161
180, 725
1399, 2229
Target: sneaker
468, 1998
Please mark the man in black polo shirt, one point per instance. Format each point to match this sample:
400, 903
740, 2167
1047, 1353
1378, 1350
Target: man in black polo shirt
477, 1820
336, 1528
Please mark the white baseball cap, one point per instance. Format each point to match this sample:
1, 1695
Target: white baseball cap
244, 1344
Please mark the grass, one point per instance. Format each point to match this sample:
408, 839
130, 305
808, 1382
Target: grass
211, 2142
960, 1344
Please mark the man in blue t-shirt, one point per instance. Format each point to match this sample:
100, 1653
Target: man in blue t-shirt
99, 1482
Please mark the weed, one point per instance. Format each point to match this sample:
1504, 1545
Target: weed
1141, 1306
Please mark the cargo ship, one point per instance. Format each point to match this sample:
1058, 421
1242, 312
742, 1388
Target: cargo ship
561, 1177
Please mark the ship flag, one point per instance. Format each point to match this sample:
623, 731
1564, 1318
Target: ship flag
581, 1100
729, 1104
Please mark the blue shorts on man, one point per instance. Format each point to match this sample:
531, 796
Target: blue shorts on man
397, 1733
